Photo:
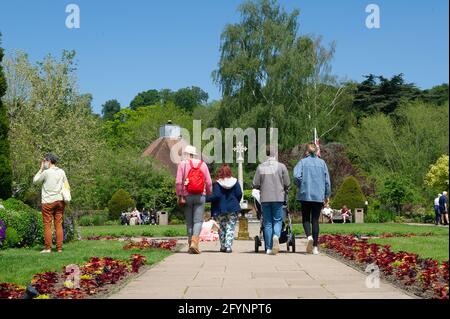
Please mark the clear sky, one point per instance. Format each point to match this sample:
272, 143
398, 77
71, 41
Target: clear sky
124, 47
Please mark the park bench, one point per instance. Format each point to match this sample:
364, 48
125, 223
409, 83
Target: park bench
337, 216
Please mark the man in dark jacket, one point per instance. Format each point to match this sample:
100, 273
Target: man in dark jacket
225, 205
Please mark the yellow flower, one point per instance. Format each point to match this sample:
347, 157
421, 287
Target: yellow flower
85, 277
68, 284
43, 297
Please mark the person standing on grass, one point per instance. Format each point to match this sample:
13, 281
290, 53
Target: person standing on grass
272, 179
437, 213
314, 188
193, 182
225, 205
443, 208
52, 179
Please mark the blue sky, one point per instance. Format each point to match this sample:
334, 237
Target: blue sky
124, 47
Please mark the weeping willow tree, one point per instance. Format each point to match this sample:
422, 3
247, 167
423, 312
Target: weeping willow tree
270, 76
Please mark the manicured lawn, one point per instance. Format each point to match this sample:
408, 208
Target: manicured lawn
19, 265
435, 247
134, 231
375, 229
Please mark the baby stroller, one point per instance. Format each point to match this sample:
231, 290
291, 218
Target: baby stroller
287, 234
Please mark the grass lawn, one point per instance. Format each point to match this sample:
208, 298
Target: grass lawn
134, 231
376, 229
19, 265
435, 247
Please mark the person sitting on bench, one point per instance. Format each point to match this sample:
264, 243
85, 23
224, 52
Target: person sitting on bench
328, 212
345, 213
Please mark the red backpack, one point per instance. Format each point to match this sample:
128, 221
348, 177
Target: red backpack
196, 184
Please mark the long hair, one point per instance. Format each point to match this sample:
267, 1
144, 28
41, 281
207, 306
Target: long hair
223, 172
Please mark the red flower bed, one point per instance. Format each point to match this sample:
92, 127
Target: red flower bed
147, 244
94, 276
11, 291
407, 268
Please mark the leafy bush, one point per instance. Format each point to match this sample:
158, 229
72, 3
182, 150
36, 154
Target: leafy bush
349, 194
148, 233
96, 219
12, 238
121, 200
28, 223
112, 222
2, 232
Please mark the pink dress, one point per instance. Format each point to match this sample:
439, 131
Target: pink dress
209, 231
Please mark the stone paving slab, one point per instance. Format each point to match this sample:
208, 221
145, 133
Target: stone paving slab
244, 274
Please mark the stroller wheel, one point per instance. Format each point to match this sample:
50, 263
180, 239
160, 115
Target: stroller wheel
257, 242
292, 240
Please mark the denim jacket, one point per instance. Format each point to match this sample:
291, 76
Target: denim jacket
312, 179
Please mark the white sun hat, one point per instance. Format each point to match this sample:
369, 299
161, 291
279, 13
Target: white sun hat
189, 149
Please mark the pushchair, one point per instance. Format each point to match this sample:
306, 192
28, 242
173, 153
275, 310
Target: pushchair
287, 233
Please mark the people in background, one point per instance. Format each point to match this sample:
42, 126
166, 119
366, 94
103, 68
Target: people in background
437, 213
52, 179
272, 179
193, 182
225, 205
443, 207
345, 213
314, 189
328, 213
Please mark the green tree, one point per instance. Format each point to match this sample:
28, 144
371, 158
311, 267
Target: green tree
120, 201
437, 176
5, 161
146, 98
384, 95
349, 194
190, 97
397, 191
271, 77
110, 108
47, 113
437, 94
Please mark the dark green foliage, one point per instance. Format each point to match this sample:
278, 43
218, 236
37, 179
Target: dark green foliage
12, 238
5, 161
146, 98
95, 219
121, 200
349, 194
188, 98
437, 95
383, 96
110, 108
396, 191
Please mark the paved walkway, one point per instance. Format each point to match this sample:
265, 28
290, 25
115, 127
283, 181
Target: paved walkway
244, 274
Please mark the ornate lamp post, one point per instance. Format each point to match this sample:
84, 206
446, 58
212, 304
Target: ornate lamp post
243, 222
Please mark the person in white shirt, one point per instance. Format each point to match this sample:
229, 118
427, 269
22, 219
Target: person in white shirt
328, 212
52, 179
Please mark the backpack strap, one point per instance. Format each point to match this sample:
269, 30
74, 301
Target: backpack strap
192, 165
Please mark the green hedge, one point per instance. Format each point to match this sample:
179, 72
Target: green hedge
27, 223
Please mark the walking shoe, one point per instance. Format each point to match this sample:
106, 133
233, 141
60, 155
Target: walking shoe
46, 251
228, 250
309, 246
269, 252
275, 245
193, 249
315, 250
223, 249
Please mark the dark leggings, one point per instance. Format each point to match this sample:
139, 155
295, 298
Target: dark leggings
311, 210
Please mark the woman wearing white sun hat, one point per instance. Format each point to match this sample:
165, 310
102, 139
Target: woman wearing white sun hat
193, 183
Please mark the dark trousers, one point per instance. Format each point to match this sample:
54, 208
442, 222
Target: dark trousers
437, 213
310, 215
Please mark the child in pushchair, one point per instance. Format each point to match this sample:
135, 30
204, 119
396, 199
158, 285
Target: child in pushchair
287, 234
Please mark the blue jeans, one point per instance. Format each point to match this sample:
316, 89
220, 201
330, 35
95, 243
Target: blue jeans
273, 221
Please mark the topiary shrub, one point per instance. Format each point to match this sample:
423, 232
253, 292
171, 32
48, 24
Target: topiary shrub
120, 200
349, 194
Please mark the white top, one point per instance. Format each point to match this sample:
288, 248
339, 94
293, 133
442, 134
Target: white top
436, 201
328, 211
52, 180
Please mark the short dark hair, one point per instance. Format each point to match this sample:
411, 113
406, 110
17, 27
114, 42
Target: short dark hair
52, 158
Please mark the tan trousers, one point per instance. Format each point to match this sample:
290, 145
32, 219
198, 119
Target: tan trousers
53, 211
